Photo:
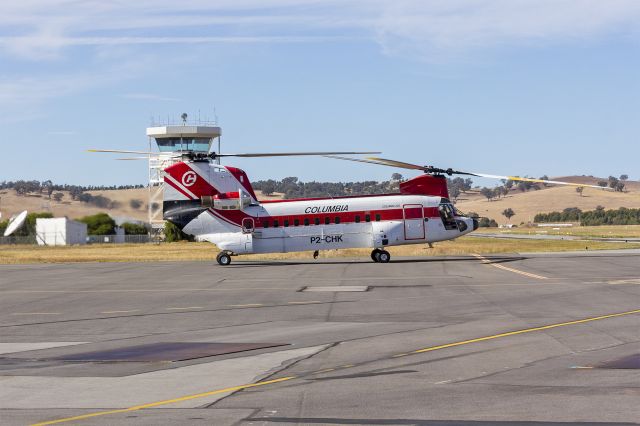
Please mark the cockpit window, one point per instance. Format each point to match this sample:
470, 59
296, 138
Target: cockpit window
447, 214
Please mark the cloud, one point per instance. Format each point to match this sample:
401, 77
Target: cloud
42, 29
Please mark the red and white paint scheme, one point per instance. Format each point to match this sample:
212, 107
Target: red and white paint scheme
217, 204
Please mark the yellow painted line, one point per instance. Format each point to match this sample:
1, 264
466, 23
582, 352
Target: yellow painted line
248, 305
304, 303
526, 330
506, 268
185, 308
165, 402
120, 312
326, 370
36, 313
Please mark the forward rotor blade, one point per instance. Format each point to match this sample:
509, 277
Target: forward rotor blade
289, 154
552, 182
358, 160
394, 163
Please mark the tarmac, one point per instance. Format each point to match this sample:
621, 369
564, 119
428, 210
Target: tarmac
520, 339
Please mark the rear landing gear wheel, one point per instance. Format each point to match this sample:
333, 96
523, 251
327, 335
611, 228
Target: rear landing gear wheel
223, 258
374, 255
384, 256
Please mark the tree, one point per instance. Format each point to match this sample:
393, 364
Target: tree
268, 187
613, 182
397, 177
172, 233
508, 213
544, 177
134, 229
619, 186
47, 186
602, 183
624, 177
135, 203
58, 196
487, 192
99, 224
454, 192
579, 190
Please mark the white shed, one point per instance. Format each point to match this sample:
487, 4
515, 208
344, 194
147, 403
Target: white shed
60, 231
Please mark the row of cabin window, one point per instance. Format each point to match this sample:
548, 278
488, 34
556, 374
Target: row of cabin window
327, 221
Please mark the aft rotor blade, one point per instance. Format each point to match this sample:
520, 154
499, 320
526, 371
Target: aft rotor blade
118, 151
131, 158
290, 154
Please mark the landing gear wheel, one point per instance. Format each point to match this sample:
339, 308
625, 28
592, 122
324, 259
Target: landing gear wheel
384, 256
223, 258
374, 255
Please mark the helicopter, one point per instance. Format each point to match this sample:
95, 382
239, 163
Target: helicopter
217, 204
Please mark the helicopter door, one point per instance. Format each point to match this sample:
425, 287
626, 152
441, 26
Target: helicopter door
247, 225
413, 222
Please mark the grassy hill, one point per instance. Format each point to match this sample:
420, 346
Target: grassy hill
525, 204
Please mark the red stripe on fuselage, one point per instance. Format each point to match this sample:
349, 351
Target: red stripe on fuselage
177, 188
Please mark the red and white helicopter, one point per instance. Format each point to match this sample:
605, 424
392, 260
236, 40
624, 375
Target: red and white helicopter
217, 203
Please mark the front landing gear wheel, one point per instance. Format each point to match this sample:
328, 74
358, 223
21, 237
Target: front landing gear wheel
384, 256
223, 259
374, 255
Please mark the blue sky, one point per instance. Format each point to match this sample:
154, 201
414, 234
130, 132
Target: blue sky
495, 86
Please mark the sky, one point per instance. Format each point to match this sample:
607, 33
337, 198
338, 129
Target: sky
516, 87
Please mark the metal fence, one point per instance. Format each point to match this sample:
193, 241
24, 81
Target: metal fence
91, 239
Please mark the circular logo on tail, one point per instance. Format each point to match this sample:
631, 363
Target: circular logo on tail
189, 178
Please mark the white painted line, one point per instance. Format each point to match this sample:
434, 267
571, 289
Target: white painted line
248, 305
338, 288
185, 308
8, 348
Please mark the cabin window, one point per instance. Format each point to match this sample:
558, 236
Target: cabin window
265, 224
317, 221
286, 223
306, 222
296, 222
367, 218
337, 220
327, 220
448, 217
276, 223
357, 218
377, 218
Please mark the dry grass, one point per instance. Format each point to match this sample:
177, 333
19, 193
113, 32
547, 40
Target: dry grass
207, 252
610, 231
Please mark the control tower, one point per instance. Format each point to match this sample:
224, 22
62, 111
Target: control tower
170, 141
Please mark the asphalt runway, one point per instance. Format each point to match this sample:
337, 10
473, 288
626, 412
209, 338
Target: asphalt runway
531, 339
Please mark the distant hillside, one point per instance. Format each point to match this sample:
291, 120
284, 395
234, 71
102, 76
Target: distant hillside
553, 198
525, 204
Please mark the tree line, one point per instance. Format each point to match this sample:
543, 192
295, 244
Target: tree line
599, 216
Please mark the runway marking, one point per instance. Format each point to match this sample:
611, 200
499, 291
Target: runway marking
248, 305
304, 303
526, 330
185, 308
36, 313
326, 370
283, 379
120, 312
506, 268
165, 402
